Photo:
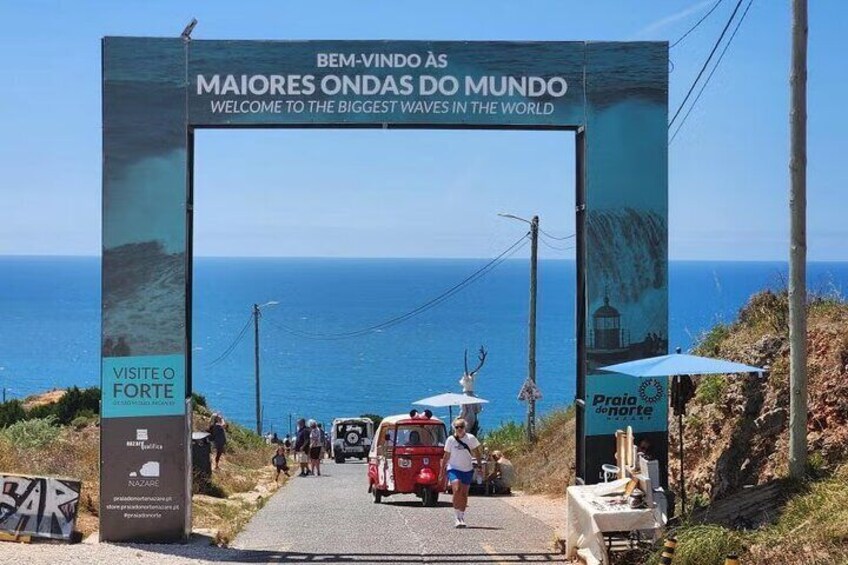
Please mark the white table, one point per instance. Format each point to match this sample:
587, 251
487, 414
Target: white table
591, 511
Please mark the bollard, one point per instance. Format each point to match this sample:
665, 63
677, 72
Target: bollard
668, 551
732, 559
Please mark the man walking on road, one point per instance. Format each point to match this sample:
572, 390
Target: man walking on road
301, 446
461, 450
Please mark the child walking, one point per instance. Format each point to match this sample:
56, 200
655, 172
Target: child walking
280, 462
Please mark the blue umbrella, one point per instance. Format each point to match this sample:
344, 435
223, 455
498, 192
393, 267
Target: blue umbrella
675, 365
680, 364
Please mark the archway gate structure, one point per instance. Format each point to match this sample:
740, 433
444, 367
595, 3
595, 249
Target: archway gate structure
158, 91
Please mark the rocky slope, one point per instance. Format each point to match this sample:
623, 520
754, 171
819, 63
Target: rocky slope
736, 428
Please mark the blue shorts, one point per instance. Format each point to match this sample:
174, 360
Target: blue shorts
462, 476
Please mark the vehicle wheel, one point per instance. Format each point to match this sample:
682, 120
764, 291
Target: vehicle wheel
340, 459
352, 438
430, 498
378, 495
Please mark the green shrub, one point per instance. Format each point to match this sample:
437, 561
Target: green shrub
83, 419
703, 545
70, 406
29, 434
374, 418
710, 343
11, 412
239, 436
767, 311
198, 400
509, 437
711, 388
77, 401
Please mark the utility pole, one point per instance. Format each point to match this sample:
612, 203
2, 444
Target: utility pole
529, 390
256, 366
798, 246
531, 355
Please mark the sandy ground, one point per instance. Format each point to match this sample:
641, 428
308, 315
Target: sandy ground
546, 509
44, 398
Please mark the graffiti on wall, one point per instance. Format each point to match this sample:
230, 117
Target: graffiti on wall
38, 506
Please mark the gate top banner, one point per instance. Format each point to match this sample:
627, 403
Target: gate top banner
406, 83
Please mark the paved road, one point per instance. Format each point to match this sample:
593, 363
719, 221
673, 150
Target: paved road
332, 519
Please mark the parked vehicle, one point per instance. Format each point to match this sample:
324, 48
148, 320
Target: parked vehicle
405, 457
351, 437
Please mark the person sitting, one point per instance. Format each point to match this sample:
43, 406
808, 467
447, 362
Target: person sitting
414, 438
502, 477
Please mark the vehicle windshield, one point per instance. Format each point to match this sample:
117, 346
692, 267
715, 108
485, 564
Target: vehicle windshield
420, 435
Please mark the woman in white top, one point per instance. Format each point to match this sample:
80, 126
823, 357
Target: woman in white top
461, 450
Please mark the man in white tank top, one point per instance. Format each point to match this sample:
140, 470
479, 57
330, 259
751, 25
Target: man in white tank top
461, 451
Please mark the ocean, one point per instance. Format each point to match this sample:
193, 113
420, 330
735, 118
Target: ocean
50, 325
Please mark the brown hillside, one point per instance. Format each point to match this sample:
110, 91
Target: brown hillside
736, 427
43, 399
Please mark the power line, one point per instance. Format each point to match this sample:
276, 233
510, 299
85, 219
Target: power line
694, 27
706, 63
555, 237
420, 309
709, 76
233, 344
432, 303
555, 247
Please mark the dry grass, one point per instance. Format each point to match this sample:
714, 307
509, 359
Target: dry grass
245, 478
42, 399
546, 467
227, 517
73, 454
813, 528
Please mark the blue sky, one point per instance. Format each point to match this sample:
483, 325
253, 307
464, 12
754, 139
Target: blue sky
425, 193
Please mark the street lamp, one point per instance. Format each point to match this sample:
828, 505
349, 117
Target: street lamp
256, 314
529, 389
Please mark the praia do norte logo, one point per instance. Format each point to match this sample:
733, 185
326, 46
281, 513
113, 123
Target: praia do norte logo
651, 390
627, 406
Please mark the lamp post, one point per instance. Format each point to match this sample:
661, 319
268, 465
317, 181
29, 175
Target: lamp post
256, 314
531, 355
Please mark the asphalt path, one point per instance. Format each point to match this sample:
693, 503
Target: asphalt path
333, 519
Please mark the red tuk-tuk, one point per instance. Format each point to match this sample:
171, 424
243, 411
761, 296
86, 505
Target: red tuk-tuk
406, 456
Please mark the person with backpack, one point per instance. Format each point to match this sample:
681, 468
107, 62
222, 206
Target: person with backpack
301, 447
219, 437
461, 451
316, 446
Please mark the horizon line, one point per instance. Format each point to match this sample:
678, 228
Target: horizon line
409, 258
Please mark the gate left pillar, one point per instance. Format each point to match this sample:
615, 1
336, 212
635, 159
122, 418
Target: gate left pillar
145, 486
